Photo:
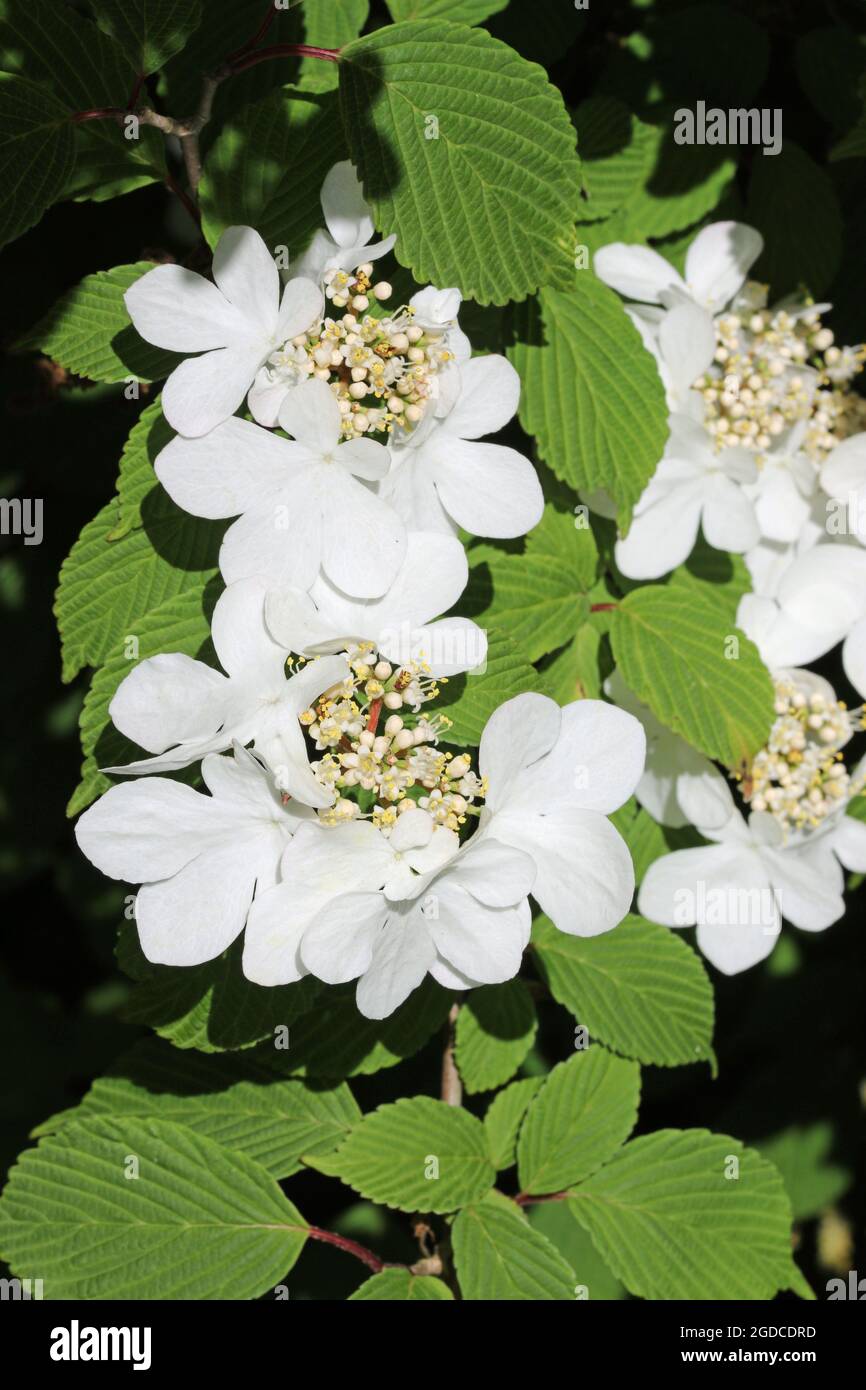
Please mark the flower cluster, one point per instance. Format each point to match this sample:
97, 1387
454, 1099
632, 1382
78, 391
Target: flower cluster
767, 457
341, 834
800, 777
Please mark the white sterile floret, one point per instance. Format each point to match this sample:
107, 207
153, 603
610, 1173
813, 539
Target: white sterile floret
717, 263
813, 603
441, 478
302, 504
693, 487
180, 709
671, 763
843, 476
400, 625
199, 858
738, 888
235, 324
389, 902
347, 241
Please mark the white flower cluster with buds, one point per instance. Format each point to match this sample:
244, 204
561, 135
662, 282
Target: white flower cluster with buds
767, 457
338, 835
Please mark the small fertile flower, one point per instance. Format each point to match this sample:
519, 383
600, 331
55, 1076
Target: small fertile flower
180, 709
200, 859
233, 324
398, 626
303, 504
442, 479
693, 487
717, 263
347, 241
738, 888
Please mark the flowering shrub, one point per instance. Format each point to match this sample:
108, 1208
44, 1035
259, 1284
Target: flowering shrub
494, 482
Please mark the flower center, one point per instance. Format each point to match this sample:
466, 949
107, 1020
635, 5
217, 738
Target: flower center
381, 754
382, 367
774, 369
800, 777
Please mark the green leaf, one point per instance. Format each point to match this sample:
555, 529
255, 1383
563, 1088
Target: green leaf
147, 438
83, 68
671, 1222
585, 1110
593, 1279
178, 625
804, 1157
213, 1007
37, 153
830, 64
793, 203
495, 1029
108, 587
267, 166
401, 1286
89, 333
455, 11
466, 151
639, 989
470, 700
716, 574
548, 38
681, 184
614, 147
418, 1154
199, 1221
670, 644
329, 24
592, 395
150, 31
574, 672
538, 597
231, 1099
505, 1116
499, 1258
335, 1040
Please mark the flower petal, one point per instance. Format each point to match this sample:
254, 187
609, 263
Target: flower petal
487, 488
718, 261
176, 309
195, 915
204, 391
363, 541
236, 467
402, 954
515, 736
489, 396
635, 271
247, 275
169, 699
310, 414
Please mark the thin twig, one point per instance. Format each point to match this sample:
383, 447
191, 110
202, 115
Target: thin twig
526, 1199
452, 1086
351, 1247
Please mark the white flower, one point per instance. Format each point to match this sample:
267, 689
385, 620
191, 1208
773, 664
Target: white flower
441, 478
355, 903
302, 504
346, 244
234, 325
784, 489
717, 263
200, 858
814, 604
554, 776
844, 478
671, 763
683, 343
171, 702
692, 487
738, 888
430, 581
436, 312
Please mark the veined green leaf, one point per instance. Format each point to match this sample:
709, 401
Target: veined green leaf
500, 1258
495, 1029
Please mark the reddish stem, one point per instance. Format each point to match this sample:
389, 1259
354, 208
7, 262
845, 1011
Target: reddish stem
526, 1199
192, 208
603, 607
99, 113
136, 92
373, 716
260, 34
284, 50
350, 1246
